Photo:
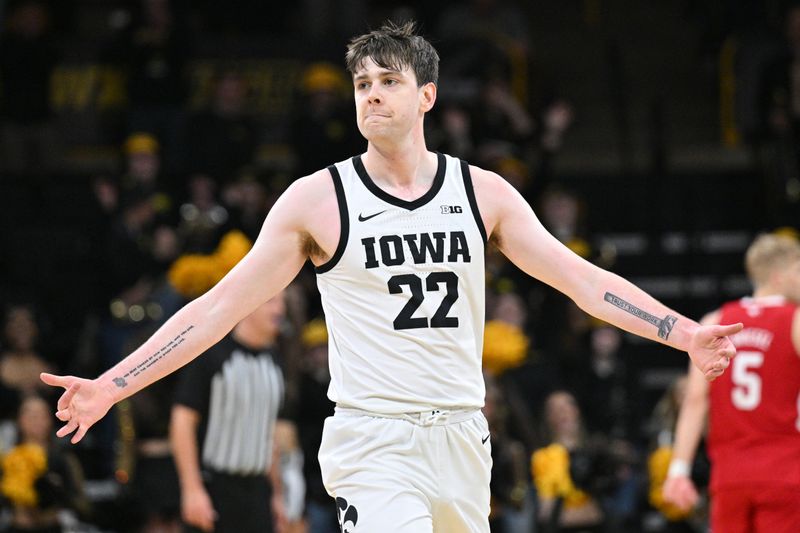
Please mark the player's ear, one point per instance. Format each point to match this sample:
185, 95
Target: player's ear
427, 96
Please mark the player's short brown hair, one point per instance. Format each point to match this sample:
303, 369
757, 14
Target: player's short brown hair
769, 252
395, 47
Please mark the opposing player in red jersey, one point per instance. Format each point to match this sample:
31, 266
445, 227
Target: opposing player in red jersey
754, 409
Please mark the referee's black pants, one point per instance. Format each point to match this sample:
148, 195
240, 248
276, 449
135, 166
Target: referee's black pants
243, 503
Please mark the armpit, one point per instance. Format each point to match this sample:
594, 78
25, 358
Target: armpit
312, 250
495, 240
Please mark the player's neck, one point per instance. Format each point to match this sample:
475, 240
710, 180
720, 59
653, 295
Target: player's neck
767, 292
395, 170
402, 164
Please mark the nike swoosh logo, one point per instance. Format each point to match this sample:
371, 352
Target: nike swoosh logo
484, 439
362, 218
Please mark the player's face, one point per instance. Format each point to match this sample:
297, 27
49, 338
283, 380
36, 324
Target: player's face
388, 102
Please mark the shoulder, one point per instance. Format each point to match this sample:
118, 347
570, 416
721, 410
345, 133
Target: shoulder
495, 197
495, 191
491, 189
294, 207
486, 181
316, 186
311, 207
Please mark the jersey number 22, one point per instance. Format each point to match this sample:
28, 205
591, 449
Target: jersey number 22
405, 320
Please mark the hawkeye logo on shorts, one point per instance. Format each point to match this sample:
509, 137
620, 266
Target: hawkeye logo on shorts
347, 515
450, 209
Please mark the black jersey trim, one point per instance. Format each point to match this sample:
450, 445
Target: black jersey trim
473, 203
438, 181
344, 220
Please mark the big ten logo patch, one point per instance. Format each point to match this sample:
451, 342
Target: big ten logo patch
347, 515
450, 209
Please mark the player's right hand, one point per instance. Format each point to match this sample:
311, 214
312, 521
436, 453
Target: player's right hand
680, 492
197, 509
83, 403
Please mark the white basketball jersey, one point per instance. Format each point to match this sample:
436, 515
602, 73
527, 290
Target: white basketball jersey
403, 294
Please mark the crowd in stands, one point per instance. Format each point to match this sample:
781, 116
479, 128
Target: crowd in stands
195, 173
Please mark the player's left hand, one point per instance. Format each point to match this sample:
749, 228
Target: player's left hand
711, 350
680, 492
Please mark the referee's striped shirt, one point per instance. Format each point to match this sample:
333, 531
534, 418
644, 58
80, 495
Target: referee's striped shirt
238, 393
245, 399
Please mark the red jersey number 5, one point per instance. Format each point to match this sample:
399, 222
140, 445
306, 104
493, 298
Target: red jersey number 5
746, 392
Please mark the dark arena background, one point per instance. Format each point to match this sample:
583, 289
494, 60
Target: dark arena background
143, 143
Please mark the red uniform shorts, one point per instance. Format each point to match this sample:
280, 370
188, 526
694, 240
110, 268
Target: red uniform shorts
755, 509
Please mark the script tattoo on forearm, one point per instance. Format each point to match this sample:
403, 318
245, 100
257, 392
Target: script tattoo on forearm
150, 361
664, 325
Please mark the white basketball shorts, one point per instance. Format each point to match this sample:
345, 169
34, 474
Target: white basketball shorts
412, 473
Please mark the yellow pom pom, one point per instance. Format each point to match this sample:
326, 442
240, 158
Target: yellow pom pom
193, 274
504, 346
22, 466
550, 469
232, 248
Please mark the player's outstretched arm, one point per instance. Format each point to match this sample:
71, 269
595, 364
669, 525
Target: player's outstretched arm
276, 258
521, 237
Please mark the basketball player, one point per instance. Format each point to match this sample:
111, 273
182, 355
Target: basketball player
397, 235
754, 426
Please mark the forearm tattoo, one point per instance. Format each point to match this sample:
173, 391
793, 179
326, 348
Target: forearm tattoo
664, 325
150, 361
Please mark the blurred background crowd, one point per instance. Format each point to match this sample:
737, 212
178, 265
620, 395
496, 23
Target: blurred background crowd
143, 142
